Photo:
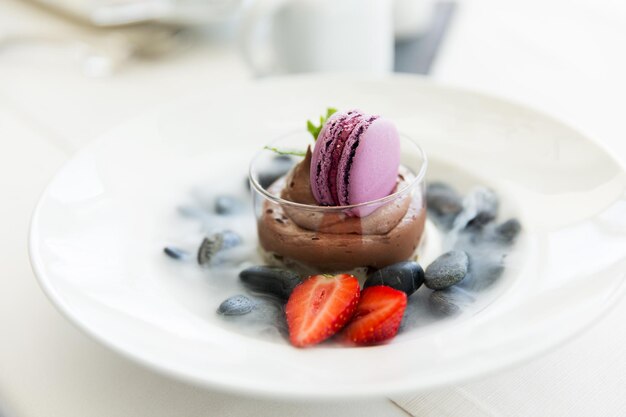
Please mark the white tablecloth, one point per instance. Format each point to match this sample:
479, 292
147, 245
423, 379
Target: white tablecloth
534, 52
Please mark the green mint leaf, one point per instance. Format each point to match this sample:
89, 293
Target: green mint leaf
285, 152
314, 129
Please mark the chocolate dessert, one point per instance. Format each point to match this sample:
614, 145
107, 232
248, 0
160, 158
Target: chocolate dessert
355, 161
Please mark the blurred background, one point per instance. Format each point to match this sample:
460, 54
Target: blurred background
78, 67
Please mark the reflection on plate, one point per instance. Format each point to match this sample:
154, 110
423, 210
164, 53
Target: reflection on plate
98, 233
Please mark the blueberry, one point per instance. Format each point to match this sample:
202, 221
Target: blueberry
443, 199
268, 178
492, 272
215, 243
498, 237
230, 239
286, 159
280, 165
265, 320
192, 212
225, 205
508, 231
175, 253
484, 271
442, 305
236, 305
447, 270
480, 207
403, 276
443, 203
270, 280
269, 313
449, 302
208, 248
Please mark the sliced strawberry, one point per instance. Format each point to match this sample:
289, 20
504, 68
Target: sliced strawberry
320, 307
377, 317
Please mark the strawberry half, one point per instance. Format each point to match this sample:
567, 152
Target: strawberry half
320, 306
377, 317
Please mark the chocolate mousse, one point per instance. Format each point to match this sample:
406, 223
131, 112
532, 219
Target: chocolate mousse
329, 239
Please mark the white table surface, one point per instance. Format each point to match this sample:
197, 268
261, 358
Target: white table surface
48, 109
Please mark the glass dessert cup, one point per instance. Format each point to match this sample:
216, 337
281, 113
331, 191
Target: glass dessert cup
296, 233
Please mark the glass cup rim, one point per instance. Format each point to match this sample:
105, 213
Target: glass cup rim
419, 177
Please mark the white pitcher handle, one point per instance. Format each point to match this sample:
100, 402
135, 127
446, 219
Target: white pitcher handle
254, 37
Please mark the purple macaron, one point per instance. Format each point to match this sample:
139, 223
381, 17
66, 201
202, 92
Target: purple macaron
355, 160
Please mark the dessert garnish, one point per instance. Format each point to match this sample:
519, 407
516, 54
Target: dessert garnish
237, 305
280, 166
227, 205
405, 276
270, 280
216, 243
507, 232
378, 316
285, 152
176, 253
444, 204
479, 245
313, 129
316, 129
356, 159
320, 307
323, 304
447, 270
480, 208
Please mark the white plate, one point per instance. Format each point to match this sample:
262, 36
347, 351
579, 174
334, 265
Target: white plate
98, 232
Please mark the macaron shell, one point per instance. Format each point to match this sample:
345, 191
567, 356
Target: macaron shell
327, 153
369, 168
320, 161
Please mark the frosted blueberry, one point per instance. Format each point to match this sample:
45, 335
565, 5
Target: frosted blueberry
403, 276
236, 305
447, 270
175, 253
444, 203
218, 242
270, 280
225, 205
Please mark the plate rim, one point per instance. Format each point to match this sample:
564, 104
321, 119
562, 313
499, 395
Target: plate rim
523, 355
